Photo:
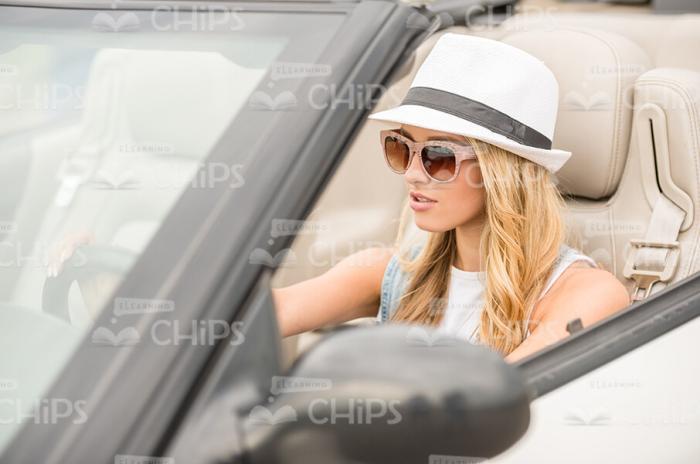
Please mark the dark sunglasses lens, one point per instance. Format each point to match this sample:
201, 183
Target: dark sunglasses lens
439, 162
397, 153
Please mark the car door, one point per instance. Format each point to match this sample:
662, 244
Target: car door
624, 389
196, 126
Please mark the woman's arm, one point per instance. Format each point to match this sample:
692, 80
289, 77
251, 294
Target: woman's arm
348, 290
581, 292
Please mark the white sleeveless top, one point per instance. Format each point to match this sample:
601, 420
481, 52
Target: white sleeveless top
465, 295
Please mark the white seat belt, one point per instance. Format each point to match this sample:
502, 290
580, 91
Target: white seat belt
654, 259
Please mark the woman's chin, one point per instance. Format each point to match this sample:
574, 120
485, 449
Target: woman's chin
429, 226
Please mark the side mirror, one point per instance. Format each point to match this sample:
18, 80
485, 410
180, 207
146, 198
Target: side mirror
391, 394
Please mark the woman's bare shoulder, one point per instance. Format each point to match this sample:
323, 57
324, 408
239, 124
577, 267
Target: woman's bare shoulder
583, 292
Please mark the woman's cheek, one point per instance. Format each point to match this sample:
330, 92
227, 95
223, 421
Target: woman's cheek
472, 192
471, 174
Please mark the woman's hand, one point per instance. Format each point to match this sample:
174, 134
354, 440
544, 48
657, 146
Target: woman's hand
94, 288
62, 251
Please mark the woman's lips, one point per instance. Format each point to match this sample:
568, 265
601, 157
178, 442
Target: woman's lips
420, 202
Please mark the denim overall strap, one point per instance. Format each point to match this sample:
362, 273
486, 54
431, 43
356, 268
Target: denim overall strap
394, 283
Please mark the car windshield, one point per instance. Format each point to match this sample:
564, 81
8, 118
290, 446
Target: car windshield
106, 117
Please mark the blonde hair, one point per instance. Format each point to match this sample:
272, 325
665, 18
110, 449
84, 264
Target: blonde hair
519, 247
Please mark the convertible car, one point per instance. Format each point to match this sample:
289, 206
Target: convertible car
165, 164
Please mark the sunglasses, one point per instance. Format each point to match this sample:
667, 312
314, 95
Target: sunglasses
439, 159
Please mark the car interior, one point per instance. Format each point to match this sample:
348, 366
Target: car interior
102, 158
632, 184
113, 158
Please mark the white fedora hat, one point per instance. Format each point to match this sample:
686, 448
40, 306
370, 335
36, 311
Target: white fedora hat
487, 90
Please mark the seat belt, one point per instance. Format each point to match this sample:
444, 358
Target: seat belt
654, 259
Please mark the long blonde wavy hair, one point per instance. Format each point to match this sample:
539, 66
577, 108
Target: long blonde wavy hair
519, 246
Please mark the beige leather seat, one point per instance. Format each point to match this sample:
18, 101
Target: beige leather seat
634, 132
629, 112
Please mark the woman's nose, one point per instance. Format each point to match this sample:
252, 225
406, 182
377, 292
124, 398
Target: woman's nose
415, 173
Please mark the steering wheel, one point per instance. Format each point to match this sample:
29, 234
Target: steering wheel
86, 261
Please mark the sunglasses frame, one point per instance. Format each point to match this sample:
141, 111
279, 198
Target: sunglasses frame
462, 152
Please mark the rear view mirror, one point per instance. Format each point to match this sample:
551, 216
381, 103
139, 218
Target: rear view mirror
391, 394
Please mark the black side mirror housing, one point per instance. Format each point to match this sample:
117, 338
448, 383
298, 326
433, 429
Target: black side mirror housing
391, 394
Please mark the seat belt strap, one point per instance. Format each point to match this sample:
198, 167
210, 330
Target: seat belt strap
653, 261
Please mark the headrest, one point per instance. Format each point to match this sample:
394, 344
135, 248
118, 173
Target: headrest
596, 72
665, 38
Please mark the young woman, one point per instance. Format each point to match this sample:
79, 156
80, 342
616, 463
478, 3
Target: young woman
474, 147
